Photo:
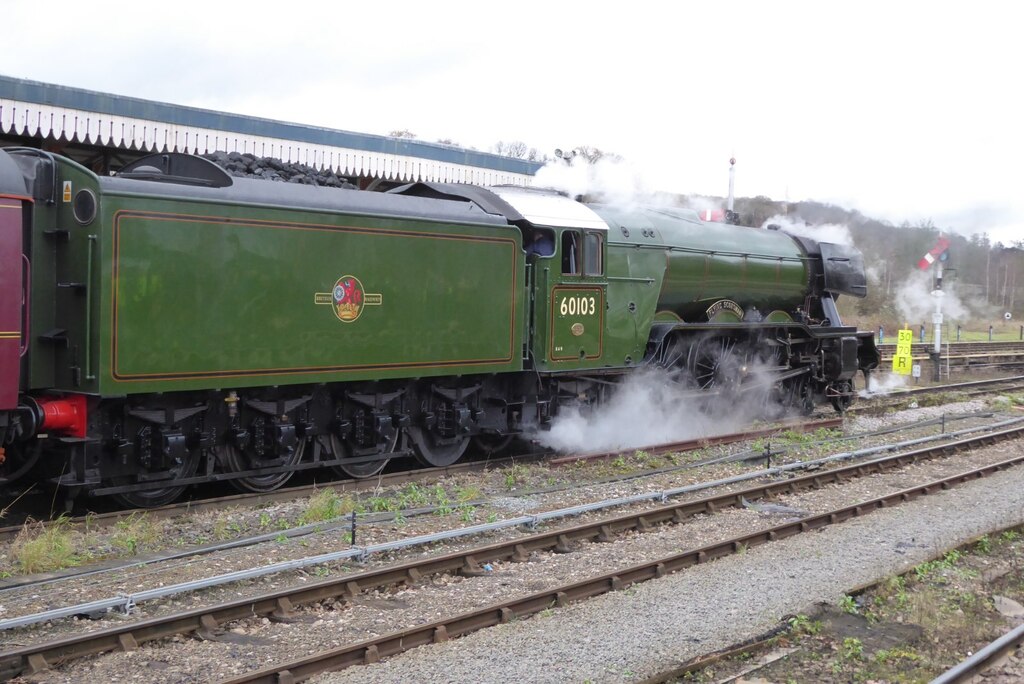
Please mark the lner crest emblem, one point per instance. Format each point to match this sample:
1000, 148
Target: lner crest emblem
348, 298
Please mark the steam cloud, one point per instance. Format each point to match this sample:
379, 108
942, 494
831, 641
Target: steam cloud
915, 302
836, 233
882, 384
650, 408
614, 181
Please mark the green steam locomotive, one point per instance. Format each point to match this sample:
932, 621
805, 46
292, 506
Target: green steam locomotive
173, 325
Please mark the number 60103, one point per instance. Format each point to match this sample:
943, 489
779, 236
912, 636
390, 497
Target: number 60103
577, 305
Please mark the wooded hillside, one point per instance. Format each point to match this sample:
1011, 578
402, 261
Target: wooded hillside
982, 280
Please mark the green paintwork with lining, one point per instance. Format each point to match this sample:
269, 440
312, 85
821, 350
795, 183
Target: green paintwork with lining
190, 295
703, 263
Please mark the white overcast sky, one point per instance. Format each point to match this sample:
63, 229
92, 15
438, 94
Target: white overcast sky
903, 110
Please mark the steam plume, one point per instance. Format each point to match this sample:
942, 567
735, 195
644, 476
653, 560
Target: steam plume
651, 408
836, 233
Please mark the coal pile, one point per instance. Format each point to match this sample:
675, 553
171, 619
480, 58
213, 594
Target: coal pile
268, 168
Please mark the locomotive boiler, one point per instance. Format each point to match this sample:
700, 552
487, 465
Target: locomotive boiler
172, 325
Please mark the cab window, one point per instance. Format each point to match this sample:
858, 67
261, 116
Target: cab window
570, 253
592, 254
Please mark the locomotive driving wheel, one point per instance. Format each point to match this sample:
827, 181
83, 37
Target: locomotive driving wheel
800, 395
672, 356
716, 363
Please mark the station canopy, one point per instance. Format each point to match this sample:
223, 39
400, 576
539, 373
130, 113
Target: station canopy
88, 125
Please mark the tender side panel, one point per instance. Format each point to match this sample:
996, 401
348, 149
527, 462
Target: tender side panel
11, 293
201, 301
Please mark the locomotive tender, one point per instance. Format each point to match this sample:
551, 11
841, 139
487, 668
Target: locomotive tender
173, 325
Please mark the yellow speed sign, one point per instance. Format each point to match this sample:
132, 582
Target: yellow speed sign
902, 363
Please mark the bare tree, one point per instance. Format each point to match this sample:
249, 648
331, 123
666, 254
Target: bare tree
404, 133
589, 154
517, 149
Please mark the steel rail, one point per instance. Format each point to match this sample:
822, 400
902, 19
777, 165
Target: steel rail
38, 656
702, 442
949, 387
372, 650
973, 666
393, 479
970, 388
315, 528
980, 344
111, 518
127, 602
963, 671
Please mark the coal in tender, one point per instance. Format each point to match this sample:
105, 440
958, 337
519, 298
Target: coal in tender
267, 168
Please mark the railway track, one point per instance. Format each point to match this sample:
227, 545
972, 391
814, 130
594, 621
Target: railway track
976, 665
964, 356
109, 519
280, 604
752, 456
372, 650
17, 517
888, 349
972, 388
966, 671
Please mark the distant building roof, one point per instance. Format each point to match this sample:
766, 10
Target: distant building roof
52, 112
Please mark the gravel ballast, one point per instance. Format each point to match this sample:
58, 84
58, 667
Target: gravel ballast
628, 635
254, 643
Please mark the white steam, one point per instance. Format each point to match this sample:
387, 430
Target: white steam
882, 384
700, 204
648, 408
916, 304
835, 233
616, 181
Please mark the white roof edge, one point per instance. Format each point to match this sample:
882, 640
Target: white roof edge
547, 208
153, 136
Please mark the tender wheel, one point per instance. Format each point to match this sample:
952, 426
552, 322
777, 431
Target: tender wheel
359, 470
238, 462
430, 452
19, 458
165, 495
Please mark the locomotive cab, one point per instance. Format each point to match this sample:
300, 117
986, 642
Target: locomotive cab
567, 279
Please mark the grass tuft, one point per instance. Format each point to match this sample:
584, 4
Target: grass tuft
45, 548
135, 532
326, 505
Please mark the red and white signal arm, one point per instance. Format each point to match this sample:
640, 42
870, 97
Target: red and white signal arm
928, 259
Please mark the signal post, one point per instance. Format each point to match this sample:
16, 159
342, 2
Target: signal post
937, 255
